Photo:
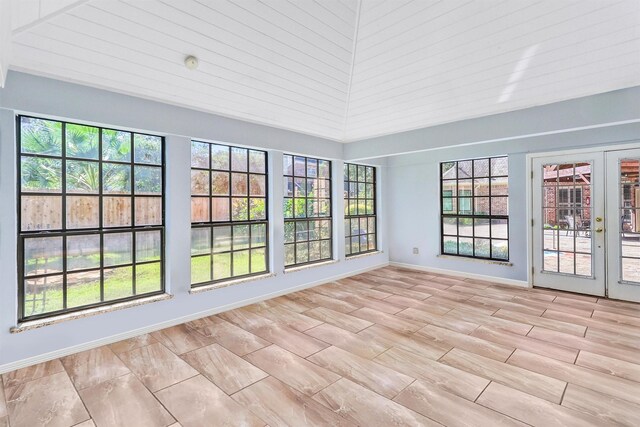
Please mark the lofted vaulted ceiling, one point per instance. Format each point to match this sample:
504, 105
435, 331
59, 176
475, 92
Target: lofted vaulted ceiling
340, 69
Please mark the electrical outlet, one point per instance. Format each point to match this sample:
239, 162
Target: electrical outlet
416, 251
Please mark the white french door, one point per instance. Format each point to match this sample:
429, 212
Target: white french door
568, 208
586, 223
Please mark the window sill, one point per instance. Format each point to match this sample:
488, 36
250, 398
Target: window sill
482, 261
307, 266
364, 255
36, 324
206, 288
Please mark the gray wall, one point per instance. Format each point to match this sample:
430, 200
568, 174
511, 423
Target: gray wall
40, 96
413, 177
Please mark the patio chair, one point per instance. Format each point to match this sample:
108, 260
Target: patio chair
579, 227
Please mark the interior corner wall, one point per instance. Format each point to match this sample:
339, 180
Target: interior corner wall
414, 198
51, 98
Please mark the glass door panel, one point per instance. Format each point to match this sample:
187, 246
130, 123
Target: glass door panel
623, 193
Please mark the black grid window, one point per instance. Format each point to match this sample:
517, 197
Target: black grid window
307, 210
359, 209
475, 208
91, 216
228, 212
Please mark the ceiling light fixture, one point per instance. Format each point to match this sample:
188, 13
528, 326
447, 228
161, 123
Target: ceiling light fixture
191, 62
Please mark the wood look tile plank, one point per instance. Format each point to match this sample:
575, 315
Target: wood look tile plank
526, 293
606, 408
388, 320
469, 306
492, 321
409, 293
620, 319
197, 402
297, 321
451, 323
448, 378
591, 322
328, 302
449, 409
532, 410
497, 351
226, 370
46, 401
245, 319
181, 339
571, 301
365, 372
545, 305
608, 365
426, 305
341, 320
556, 325
454, 296
378, 280
618, 340
156, 366
132, 343
31, 373
576, 301
233, 338
446, 280
526, 381
392, 338
382, 306
93, 366
513, 306
124, 401
299, 373
279, 405
289, 339
632, 311
293, 305
578, 375
527, 343
429, 287
357, 288
466, 289
606, 349
618, 304
366, 408
341, 338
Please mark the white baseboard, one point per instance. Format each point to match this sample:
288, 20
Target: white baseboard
500, 280
166, 324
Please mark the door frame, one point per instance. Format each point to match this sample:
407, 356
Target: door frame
622, 145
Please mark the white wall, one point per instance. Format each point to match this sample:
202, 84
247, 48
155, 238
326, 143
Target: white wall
40, 96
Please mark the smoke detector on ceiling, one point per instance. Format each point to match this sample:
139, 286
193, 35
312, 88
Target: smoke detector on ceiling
191, 62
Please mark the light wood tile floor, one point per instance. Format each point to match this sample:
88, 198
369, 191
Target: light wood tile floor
388, 347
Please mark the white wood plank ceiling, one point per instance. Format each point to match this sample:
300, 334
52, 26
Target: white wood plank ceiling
341, 69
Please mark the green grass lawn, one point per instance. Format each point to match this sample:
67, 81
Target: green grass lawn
84, 288
201, 265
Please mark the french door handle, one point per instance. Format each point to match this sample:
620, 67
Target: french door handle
599, 230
